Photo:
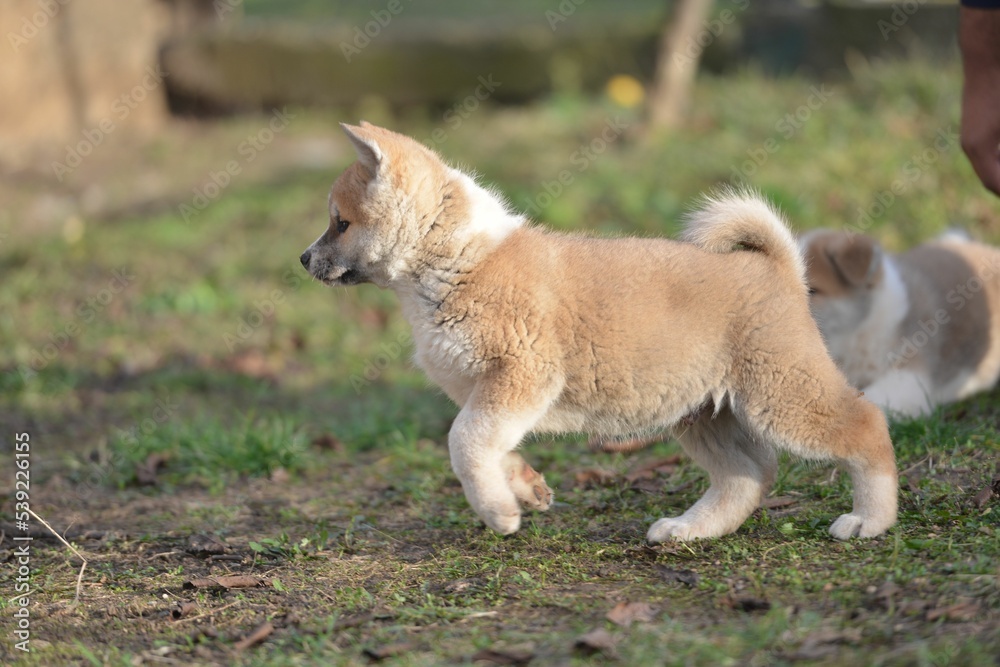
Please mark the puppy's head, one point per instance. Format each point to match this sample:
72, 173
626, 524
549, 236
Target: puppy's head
843, 271
379, 208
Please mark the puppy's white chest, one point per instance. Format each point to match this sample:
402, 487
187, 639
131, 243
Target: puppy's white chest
445, 356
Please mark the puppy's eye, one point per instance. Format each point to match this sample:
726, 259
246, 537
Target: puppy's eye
342, 225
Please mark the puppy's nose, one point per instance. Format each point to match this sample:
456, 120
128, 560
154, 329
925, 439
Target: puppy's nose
304, 258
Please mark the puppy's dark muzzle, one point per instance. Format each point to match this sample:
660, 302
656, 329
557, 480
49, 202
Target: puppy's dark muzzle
304, 258
352, 277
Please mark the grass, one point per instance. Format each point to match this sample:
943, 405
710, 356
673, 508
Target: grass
291, 425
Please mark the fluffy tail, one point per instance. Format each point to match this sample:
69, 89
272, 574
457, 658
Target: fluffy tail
742, 220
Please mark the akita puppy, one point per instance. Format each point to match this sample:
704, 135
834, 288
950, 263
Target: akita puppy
914, 330
530, 331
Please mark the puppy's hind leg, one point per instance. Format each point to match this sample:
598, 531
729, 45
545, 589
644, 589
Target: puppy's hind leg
818, 416
741, 470
869, 458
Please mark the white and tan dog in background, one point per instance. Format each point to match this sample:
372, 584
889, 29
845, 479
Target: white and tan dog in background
531, 331
913, 331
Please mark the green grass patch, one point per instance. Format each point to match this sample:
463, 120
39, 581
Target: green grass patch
209, 452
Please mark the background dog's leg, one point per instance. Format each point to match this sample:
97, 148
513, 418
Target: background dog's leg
902, 391
741, 471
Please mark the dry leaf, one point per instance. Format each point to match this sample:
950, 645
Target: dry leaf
821, 644
654, 468
745, 603
963, 610
203, 634
686, 577
388, 651
988, 493
778, 501
597, 640
647, 485
145, 473
983, 497
328, 441
260, 633
251, 363
206, 545
594, 477
234, 581
627, 613
353, 621
885, 594
183, 609
845, 636
504, 657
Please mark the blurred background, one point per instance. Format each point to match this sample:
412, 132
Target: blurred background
164, 162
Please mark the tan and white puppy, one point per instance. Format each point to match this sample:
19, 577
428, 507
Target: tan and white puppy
531, 331
913, 331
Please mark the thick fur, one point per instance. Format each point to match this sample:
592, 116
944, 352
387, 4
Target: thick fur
915, 330
530, 331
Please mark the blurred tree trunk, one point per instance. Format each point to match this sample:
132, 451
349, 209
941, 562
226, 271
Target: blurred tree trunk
677, 64
69, 58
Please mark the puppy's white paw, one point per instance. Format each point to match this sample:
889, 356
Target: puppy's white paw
505, 524
855, 525
665, 530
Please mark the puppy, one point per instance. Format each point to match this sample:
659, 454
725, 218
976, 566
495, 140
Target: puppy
531, 331
913, 331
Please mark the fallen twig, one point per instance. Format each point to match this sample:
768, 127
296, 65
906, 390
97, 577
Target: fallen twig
262, 632
79, 577
233, 581
209, 613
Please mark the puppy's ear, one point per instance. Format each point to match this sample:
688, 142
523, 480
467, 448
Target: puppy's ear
857, 258
367, 148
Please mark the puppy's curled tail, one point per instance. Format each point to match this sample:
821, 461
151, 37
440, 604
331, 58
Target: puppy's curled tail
742, 220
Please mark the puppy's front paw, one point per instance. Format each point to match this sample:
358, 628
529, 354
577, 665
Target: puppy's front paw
527, 484
855, 525
665, 530
505, 524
